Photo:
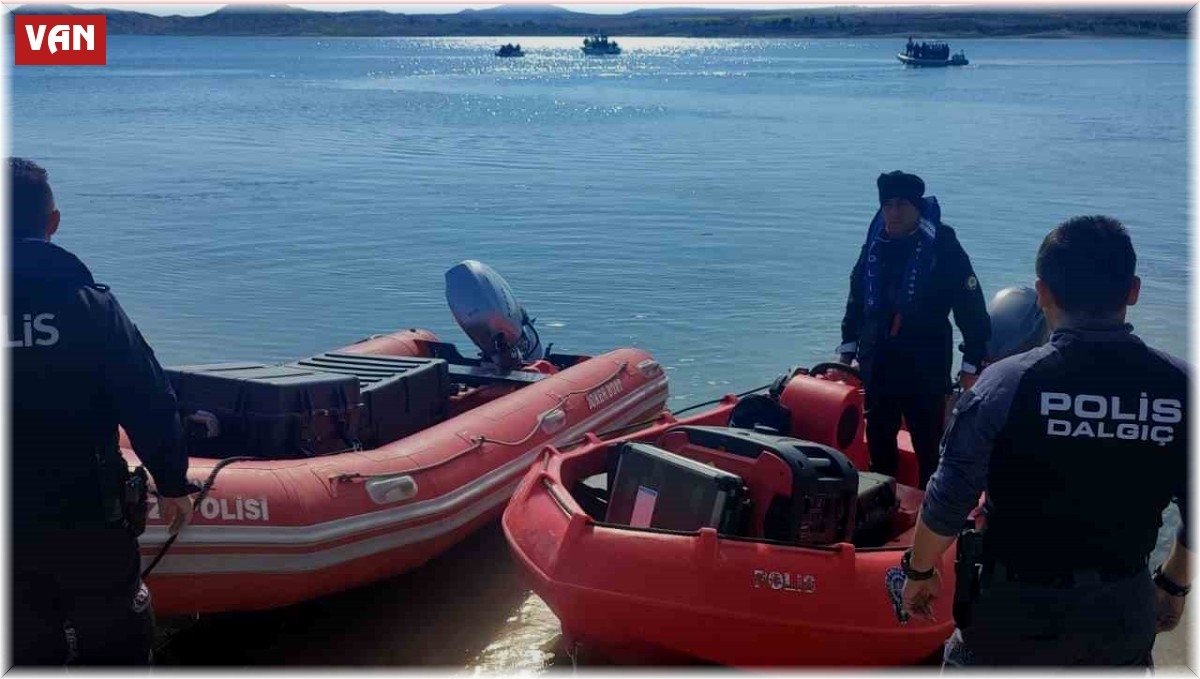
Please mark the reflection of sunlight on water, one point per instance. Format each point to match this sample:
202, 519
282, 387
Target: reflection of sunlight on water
550, 59
646, 45
526, 643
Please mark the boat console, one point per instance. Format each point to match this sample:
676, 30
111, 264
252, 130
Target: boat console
747, 484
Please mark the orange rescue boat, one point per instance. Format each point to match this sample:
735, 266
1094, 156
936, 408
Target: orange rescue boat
793, 578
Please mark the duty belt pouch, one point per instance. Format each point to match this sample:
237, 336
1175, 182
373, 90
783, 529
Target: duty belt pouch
123, 493
134, 500
968, 569
111, 472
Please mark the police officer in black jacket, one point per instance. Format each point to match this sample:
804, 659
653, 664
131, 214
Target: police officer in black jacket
80, 369
910, 275
1080, 444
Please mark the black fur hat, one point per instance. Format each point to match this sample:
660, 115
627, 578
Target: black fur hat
899, 184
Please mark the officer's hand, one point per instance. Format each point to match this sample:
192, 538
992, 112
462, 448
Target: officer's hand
178, 510
967, 380
918, 596
846, 359
1169, 610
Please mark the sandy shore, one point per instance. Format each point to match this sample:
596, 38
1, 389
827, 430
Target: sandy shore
1171, 649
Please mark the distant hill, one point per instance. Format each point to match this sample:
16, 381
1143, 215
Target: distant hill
261, 9
666, 11
525, 20
524, 10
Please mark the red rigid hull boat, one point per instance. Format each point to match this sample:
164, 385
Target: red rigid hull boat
277, 532
722, 595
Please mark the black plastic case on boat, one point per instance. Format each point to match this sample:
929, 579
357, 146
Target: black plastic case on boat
824, 483
401, 395
270, 411
654, 488
875, 508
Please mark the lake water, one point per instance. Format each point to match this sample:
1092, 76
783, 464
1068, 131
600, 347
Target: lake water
266, 199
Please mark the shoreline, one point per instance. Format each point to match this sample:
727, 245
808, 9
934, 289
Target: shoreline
840, 24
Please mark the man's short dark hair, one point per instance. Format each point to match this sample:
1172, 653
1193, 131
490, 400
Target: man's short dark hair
31, 198
1088, 263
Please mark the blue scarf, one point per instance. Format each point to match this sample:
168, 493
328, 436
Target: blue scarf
917, 269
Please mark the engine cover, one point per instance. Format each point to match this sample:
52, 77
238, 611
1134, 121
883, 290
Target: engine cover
488, 312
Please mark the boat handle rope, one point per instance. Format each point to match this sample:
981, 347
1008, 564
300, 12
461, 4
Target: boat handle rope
636, 425
718, 400
204, 489
481, 439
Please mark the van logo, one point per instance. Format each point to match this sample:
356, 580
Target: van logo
60, 39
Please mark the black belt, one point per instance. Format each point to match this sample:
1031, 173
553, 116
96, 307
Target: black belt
1001, 572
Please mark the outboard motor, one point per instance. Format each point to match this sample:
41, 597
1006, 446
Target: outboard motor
1017, 323
487, 310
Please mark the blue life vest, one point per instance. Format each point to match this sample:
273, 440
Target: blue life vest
917, 269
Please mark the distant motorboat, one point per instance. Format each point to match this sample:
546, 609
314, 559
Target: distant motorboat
600, 45
931, 55
959, 59
510, 50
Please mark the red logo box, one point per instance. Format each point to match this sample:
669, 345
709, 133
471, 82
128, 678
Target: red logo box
60, 39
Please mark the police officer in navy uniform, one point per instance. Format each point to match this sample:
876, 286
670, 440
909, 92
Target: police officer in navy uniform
1080, 445
911, 273
80, 368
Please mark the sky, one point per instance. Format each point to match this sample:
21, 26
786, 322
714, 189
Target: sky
406, 8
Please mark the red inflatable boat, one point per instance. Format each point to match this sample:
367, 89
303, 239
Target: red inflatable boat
805, 572
274, 532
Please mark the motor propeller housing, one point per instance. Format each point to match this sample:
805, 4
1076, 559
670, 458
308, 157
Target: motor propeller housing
488, 312
1017, 323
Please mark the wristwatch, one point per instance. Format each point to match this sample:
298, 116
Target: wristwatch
906, 566
1164, 583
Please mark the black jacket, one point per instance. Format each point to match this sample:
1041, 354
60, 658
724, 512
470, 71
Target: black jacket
918, 358
1080, 444
80, 368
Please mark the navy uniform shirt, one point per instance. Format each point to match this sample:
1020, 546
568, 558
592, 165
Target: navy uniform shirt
80, 368
1080, 445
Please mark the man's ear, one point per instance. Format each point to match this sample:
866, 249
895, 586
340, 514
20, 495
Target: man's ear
1135, 289
1045, 298
52, 223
